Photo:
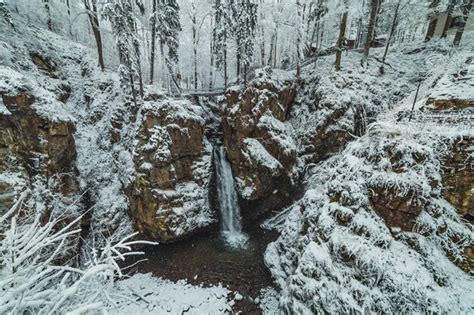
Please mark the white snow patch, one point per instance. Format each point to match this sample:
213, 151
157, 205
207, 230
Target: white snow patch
152, 295
3, 109
256, 151
12, 81
268, 299
279, 131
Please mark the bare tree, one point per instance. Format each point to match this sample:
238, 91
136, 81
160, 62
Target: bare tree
389, 39
342, 35
449, 10
467, 7
298, 40
370, 31
91, 8
433, 21
49, 20
153, 41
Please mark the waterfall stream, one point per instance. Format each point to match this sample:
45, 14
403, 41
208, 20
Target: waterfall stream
231, 227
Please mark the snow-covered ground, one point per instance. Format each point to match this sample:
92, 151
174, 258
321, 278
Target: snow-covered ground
146, 294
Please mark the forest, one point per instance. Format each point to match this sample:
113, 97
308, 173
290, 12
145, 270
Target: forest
236, 156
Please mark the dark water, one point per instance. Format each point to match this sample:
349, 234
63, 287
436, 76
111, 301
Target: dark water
205, 259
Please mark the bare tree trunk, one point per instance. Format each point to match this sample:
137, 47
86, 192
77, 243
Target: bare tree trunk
448, 19
94, 20
49, 21
140, 78
153, 42
275, 51
318, 47
340, 40
136, 46
321, 37
164, 78
226, 76
238, 60
211, 68
370, 32
359, 32
195, 51
298, 41
433, 22
389, 39
262, 44
270, 58
460, 31
69, 17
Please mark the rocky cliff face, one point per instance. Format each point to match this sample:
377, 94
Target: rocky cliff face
458, 177
259, 144
37, 157
169, 196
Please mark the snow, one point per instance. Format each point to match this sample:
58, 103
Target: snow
279, 132
150, 295
246, 191
12, 179
12, 82
3, 109
256, 151
176, 109
318, 262
268, 301
334, 252
193, 210
48, 107
458, 85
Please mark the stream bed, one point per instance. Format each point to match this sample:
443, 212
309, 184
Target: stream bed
205, 259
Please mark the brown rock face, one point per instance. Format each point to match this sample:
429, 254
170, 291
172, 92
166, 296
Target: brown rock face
397, 211
458, 178
450, 104
43, 147
32, 149
259, 148
168, 198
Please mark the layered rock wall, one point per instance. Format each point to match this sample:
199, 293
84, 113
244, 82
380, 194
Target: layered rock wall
259, 145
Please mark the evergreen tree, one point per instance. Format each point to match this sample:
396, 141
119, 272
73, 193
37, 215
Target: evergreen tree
165, 27
120, 15
221, 33
244, 17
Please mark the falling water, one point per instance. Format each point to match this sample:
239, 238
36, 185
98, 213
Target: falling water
231, 227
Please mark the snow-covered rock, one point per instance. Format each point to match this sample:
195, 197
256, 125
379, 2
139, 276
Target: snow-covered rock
169, 195
258, 142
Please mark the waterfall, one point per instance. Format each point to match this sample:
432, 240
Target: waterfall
231, 227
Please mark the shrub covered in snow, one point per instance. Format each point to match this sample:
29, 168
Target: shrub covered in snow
34, 277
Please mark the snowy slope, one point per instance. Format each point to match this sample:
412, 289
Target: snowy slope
338, 251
